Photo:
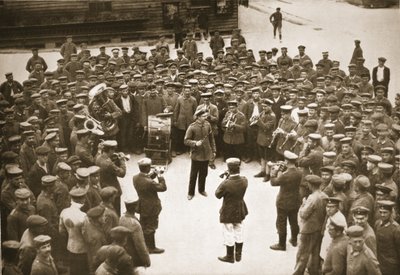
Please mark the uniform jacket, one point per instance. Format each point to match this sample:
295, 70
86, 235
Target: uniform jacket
190, 49
8, 89
312, 162
363, 263
94, 237
234, 209
236, 134
61, 196
289, 182
171, 101
109, 172
16, 222
335, 261
312, 213
136, 246
47, 208
43, 267
147, 190
388, 246
213, 117
216, 43
84, 152
266, 125
27, 158
34, 180
200, 131
184, 111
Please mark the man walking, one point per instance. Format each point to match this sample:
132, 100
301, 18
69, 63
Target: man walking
233, 211
199, 137
276, 21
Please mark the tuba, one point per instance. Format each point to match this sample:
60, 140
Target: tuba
99, 106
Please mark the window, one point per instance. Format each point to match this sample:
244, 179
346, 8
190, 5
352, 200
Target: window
224, 7
100, 6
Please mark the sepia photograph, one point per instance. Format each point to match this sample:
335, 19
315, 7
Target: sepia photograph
200, 137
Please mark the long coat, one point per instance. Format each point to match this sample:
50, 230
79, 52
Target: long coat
109, 172
234, 209
289, 182
184, 111
388, 245
147, 190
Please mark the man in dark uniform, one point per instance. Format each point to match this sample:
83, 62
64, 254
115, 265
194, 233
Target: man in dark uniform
233, 211
311, 218
27, 155
276, 21
199, 137
110, 170
288, 199
83, 148
387, 239
10, 87
10, 255
149, 203
44, 262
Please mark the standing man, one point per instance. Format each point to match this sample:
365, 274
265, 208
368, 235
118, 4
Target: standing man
34, 59
311, 218
149, 203
199, 137
178, 25
358, 52
381, 75
288, 199
276, 21
233, 211
44, 262
216, 44
111, 166
67, 49
10, 87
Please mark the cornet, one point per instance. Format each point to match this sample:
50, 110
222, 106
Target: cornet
253, 120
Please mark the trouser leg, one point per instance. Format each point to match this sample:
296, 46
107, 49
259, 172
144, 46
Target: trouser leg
203, 171
194, 170
281, 225
294, 225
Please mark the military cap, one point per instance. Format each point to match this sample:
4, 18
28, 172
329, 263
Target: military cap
144, 162
81, 95
346, 140
328, 168
396, 127
360, 210
355, 231
14, 138
367, 149
107, 192
314, 136
302, 113
8, 156
332, 99
329, 126
63, 166
380, 87
386, 205
207, 95
374, 158
35, 95
22, 193
286, 108
346, 106
61, 101
42, 150
333, 201
233, 102
28, 133
233, 162
320, 65
383, 189
96, 211
50, 136
8, 111
74, 159
350, 129
383, 59
290, 155
41, 240
10, 245
13, 170
48, 180
110, 143
77, 192
82, 173
267, 102
219, 91
93, 169
313, 180
389, 150
363, 181
385, 168
93, 76
311, 123
348, 163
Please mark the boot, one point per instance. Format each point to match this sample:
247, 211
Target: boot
147, 241
238, 251
293, 240
153, 249
260, 174
281, 245
229, 255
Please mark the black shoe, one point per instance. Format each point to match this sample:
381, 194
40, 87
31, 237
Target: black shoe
238, 251
204, 193
153, 249
278, 246
260, 175
156, 250
229, 255
293, 242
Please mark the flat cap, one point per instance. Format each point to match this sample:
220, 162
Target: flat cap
374, 158
63, 166
334, 109
50, 136
42, 150
389, 150
9, 156
348, 163
13, 170
61, 150
311, 123
313, 180
362, 181
355, 231
36, 220
48, 180
232, 102
314, 136
108, 192
74, 159
96, 212
22, 193
10, 245
119, 230
233, 161
383, 189
93, 169
346, 140
328, 168
338, 180
77, 192
286, 108
338, 137
333, 201
144, 162
41, 240
385, 167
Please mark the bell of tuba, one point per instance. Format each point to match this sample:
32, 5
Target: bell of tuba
91, 124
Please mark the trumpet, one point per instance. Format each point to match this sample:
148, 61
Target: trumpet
116, 158
231, 121
275, 167
253, 120
224, 174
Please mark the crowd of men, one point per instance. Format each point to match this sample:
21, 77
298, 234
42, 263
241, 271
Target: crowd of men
329, 138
